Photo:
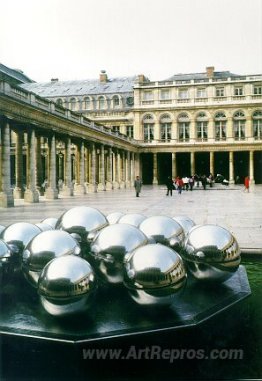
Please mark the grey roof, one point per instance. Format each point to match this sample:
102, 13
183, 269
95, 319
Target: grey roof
199, 76
15, 74
57, 88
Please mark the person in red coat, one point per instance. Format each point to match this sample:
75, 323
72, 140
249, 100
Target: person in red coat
246, 183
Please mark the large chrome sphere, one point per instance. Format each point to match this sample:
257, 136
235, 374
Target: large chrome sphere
132, 219
5, 262
43, 248
185, 222
164, 230
82, 220
154, 274
44, 226
51, 221
66, 285
211, 253
110, 247
114, 217
18, 235
2, 227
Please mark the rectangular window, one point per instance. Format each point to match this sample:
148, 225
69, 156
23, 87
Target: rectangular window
183, 94
202, 131
130, 131
220, 130
239, 129
165, 132
148, 132
238, 91
257, 90
220, 92
116, 128
165, 94
183, 131
257, 128
148, 95
201, 93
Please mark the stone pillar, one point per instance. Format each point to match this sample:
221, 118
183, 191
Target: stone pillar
231, 167
157, 131
192, 163
251, 167
102, 183
155, 179
18, 190
249, 133
81, 188
122, 170
174, 169
128, 170
31, 193
230, 135
192, 131
92, 187
6, 195
174, 133
211, 131
39, 164
109, 180
52, 192
116, 171
211, 163
67, 189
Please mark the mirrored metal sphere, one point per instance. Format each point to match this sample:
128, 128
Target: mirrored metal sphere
110, 247
50, 221
2, 227
43, 248
82, 220
44, 227
132, 219
66, 286
18, 235
5, 262
114, 217
186, 223
211, 253
154, 274
164, 230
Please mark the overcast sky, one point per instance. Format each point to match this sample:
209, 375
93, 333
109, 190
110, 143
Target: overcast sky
75, 39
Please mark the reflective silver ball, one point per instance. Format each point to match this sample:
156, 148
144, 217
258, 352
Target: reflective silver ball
44, 226
5, 262
18, 235
164, 230
2, 227
110, 247
66, 286
51, 221
186, 223
211, 253
132, 219
43, 248
82, 220
154, 274
114, 217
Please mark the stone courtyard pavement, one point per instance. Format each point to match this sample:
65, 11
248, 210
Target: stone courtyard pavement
227, 206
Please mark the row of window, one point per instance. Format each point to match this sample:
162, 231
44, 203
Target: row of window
101, 103
239, 130
166, 94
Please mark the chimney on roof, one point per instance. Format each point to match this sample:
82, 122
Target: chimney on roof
210, 71
103, 76
141, 78
54, 79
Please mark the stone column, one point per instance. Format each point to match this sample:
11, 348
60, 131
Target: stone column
31, 193
192, 131
132, 168
102, 183
122, 170
211, 131
67, 189
155, 179
174, 169
128, 170
249, 134
52, 192
117, 171
251, 167
231, 167
230, 135
211, 163
39, 164
81, 188
92, 187
6, 195
18, 190
109, 180
192, 163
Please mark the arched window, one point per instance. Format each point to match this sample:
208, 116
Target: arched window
101, 103
116, 101
59, 101
148, 128
201, 126
87, 103
239, 125
165, 128
72, 104
257, 124
220, 126
183, 127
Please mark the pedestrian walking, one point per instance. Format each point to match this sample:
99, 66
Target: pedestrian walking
169, 186
246, 183
180, 184
137, 185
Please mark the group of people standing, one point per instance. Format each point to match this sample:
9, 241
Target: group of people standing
187, 183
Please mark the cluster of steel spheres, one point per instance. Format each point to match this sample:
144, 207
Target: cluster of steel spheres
66, 259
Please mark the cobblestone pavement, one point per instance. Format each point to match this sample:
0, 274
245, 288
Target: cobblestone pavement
227, 206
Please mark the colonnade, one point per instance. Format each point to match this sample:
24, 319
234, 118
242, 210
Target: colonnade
34, 161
